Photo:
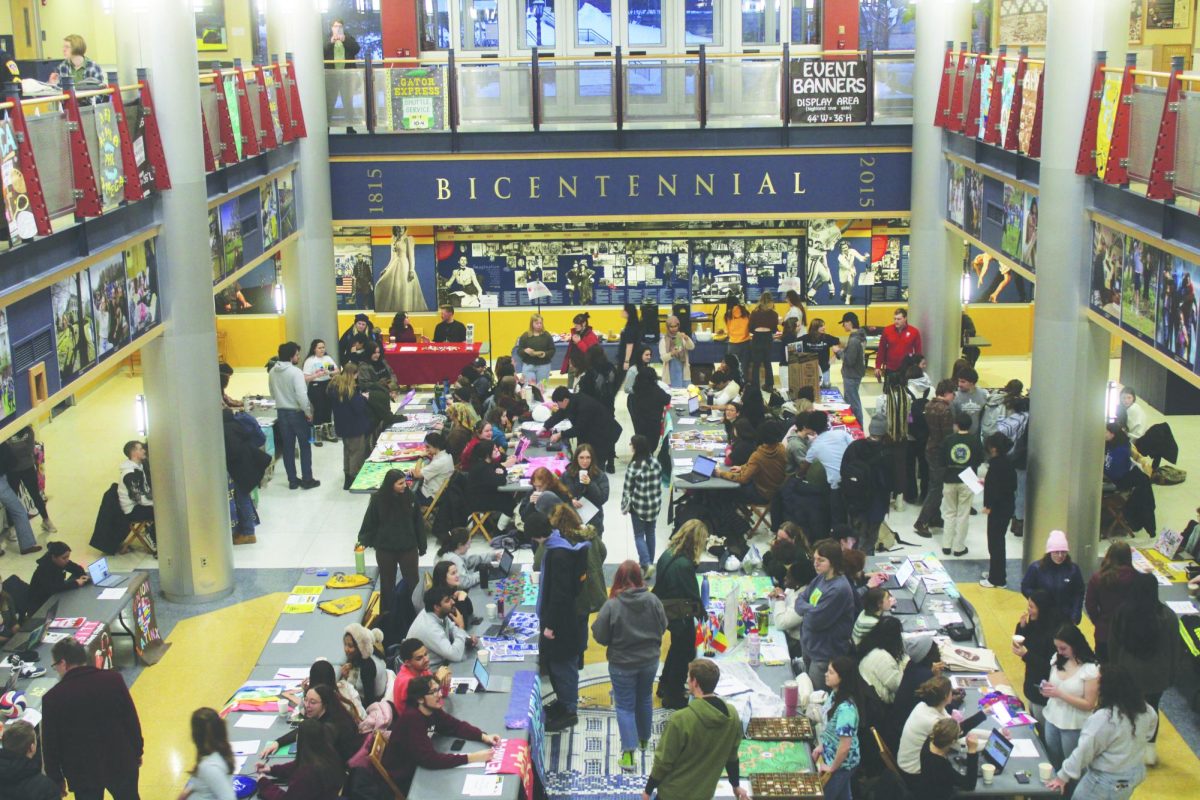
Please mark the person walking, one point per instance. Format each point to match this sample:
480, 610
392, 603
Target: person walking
1144, 640
737, 326
675, 585
395, 527
1107, 591
1058, 576
764, 322
23, 471
294, 415
585, 479
960, 451
319, 369
91, 734
631, 625
696, 748
828, 606
641, 499
854, 363
212, 777
246, 462
351, 421
18, 516
939, 423
999, 500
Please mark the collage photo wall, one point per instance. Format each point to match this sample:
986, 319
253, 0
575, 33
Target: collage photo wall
1001, 215
240, 230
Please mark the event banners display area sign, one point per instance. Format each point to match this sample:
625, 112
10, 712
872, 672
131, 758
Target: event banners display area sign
741, 184
828, 91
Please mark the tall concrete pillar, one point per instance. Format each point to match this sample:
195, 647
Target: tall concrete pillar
294, 26
187, 452
1070, 355
935, 265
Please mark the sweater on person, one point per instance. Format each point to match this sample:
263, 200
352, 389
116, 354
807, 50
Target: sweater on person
697, 744
916, 732
1064, 582
895, 346
939, 780
1000, 488
288, 388
767, 469
828, 606
212, 780
133, 489
631, 625
862, 626
445, 641
410, 744
883, 672
303, 783
435, 474
1104, 599
49, 579
1110, 742
960, 451
854, 360
939, 422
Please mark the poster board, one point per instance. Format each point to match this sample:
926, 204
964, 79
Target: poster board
417, 99
147, 641
108, 167
211, 32
829, 91
22, 226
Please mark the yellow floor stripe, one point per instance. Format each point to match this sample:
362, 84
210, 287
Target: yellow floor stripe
1178, 767
210, 655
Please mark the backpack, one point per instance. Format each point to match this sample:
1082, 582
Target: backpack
863, 473
1019, 454
994, 410
918, 427
250, 425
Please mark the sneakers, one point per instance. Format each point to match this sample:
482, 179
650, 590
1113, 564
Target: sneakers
48, 526
34, 671
945, 551
311, 483
985, 583
648, 572
958, 553
27, 550
239, 538
626, 762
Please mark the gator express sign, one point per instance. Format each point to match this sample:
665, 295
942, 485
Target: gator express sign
521, 188
827, 91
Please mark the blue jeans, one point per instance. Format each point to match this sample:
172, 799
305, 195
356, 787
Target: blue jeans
564, 677
18, 517
1020, 510
850, 395
838, 787
643, 539
675, 368
1096, 785
293, 427
245, 512
536, 372
1060, 743
632, 698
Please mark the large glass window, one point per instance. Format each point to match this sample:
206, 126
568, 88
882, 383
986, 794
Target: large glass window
760, 21
593, 23
645, 22
435, 24
539, 23
480, 25
806, 21
700, 22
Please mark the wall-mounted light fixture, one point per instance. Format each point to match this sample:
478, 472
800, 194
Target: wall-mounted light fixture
140, 419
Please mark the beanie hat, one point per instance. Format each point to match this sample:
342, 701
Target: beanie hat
362, 318
364, 640
918, 647
1057, 543
877, 425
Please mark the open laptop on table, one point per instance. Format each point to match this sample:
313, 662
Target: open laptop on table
98, 572
997, 750
489, 682
899, 578
693, 406
500, 627
702, 469
504, 568
905, 605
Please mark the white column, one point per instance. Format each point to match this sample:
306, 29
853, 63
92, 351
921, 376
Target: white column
187, 451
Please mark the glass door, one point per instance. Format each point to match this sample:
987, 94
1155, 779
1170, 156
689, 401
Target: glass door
598, 26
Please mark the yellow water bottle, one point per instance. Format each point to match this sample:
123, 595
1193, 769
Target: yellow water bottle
360, 559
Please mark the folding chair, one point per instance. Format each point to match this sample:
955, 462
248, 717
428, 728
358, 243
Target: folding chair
375, 756
139, 533
477, 523
1112, 515
431, 509
885, 753
756, 515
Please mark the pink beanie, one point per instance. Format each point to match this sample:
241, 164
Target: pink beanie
1057, 543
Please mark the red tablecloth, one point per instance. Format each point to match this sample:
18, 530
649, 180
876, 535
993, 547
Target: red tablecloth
416, 364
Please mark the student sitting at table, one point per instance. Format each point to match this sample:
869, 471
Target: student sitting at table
743, 441
765, 470
410, 743
212, 777
501, 426
725, 390
875, 603
939, 779
508, 397
548, 493
783, 602
453, 550
55, 573
414, 658
322, 704
936, 695
320, 673
445, 575
789, 547
433, 473
882, 658
364, 668
441, 627
402, 330
482, 432
485, 477
317, 773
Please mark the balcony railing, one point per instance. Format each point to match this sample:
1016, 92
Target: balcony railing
536, 92
246, 112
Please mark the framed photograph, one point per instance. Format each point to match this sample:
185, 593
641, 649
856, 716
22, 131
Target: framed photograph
211, 33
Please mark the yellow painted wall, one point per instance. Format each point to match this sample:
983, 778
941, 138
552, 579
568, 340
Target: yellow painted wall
1008, 327
84, 17
250, 339
6, 24
239, 33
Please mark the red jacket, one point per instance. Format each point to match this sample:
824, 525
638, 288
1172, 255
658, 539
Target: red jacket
586, 342
303, 783
410, 746
91, 735
895, 346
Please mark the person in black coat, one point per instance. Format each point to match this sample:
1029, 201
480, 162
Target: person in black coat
246, 464
485, 476
20, 769
361, 327
647, 403
338, 35
999, 503
564, 567
600, 380
55, 573
591, 423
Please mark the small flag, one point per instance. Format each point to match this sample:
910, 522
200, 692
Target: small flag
719, 642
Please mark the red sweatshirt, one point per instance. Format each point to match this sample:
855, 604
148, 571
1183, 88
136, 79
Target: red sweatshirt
895, 346
303, 783
410, 746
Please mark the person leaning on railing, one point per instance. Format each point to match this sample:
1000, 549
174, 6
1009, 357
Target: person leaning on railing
75, 64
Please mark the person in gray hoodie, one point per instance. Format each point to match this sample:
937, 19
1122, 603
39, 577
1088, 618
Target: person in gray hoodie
827, 606
631, 624
854, 363
293, 415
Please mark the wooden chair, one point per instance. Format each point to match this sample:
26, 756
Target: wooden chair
756, 515
139, 533
375, 756
431, 509
1112, 515
477, 523
885, 754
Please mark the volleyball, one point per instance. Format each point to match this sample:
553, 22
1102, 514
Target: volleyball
12, 704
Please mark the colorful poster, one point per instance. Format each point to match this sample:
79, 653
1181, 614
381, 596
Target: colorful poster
141, 267
269, 215
1177, 316
1023, 21
1108, 257
110, 304
286, 196
973, 214
889, 268
820, 243
417, 99
1029, 99
352, 266
993, 281
74, 327
235, 113
138, 134
22, 226
958, 194
1008, 86
1139, 287
8, 390
1104, 123
272, 102
231, 235
399, 286
985, 94
1029, 232
253, 293
1014, 217
210, 26
1164, 15
108, 166
216, 245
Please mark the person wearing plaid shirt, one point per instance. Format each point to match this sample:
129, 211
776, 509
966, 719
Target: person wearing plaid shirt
642, 498
76, 65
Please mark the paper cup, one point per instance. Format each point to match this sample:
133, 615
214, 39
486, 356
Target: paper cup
484, 656
491, 610
1018, 639
1045, 771
989, 773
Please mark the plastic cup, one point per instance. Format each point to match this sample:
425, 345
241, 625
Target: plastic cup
491, 610
1045, 771
1018, 639
989, 773
484, 656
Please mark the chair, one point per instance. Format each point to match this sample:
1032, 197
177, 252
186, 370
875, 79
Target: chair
1112, 515
431, 509
885, 753
756, 515
139, 533
477, 523
375, 756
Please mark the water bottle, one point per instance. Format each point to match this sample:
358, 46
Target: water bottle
360, 559
752, 649
500, 606
704, 591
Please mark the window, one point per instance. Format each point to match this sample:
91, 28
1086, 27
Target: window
806, 21
593, 23
539, 23
699, 22
435, 24
480, 25
645, 22
760, 21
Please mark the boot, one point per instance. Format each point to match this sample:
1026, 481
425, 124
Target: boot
1018, 527
347, 482
330, 435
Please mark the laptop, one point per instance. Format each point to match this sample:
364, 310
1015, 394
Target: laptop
693, 406
28, 650
408, 398
899, 579
98, 572
504, 568
522, 446
997, 750
905, 605
489, 682
702, 469
500, 627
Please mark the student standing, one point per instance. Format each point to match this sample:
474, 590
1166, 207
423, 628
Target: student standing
23, 471
1059, 577
1107, 591
896, 343
351, 421
1070, 692
737, 325
641, 499
395, 527
838, 753
970, 399
631, 624
939, 423
1036, 628
822, 344
630, 342
212, 777
854, 363
960, 451
246, 462
676, 587
999, 500
673, 348
764, 322
1144, 639
535, 349
294, 415
828, 608
564, 568
319, 369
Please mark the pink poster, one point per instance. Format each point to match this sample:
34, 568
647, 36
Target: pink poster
512, 758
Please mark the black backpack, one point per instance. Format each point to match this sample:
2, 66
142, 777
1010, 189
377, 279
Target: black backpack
918, 427
1018, 456
863, 473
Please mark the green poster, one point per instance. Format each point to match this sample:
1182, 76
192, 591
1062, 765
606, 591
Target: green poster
235, 120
